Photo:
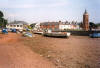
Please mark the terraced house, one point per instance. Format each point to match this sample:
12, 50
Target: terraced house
59, 25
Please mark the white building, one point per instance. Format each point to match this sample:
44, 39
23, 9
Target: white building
59, 25
19, 25
67, 25
62, 27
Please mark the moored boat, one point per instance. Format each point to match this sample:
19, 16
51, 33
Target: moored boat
56, 34
95, 35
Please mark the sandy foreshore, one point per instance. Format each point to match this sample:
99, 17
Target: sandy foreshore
13, 54
47, 52
75, 52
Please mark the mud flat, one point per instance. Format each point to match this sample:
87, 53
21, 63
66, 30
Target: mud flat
75, 52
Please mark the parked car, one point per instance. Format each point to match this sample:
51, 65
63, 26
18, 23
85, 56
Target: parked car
95, 35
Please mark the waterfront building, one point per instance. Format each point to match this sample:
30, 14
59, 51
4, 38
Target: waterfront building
59, 25
86, 21
19, 25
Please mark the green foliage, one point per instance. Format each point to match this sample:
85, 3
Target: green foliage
92, 26
3, 22
80, 24
29, 27
98, 24
1, 14
33, 25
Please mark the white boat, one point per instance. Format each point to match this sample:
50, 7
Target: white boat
57, 34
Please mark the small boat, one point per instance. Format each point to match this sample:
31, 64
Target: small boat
5, 31
56, 34
28, 34
13, 30
95, 35
38, 33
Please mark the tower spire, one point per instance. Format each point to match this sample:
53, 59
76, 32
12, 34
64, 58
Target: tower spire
85, 12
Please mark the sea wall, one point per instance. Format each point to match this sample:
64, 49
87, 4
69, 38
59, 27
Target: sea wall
81, 33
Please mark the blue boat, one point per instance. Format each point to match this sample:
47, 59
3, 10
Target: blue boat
95, 35
5, 31
13, 30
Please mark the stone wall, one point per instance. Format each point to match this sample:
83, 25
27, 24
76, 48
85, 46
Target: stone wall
81, 33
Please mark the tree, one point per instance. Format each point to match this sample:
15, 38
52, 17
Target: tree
3, 22
92, 26
33, 25
80, 24
1, 14
98, 24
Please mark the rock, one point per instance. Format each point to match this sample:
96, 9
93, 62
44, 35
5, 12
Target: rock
48, 56
41, 55
57, 60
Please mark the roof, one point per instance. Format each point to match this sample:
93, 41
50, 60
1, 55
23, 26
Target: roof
19, 22
56, 23
50, 23
85, 13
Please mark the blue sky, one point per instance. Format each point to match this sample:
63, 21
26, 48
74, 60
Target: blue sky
50, 10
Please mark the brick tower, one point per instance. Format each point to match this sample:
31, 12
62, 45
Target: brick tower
86, 21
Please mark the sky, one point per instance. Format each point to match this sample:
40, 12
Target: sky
33, 11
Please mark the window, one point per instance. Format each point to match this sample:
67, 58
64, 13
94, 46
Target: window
14, 25
10, 25
17, 25
20, 25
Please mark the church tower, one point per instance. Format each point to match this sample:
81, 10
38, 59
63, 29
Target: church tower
86, 21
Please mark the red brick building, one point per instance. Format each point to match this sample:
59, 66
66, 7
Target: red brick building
58, 25
86, 21
50, 25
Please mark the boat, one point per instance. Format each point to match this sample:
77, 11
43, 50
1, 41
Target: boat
56, 34
27, 34
95, 35
4, 31
38, 33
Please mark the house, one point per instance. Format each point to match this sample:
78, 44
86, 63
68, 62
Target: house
59, 25
50, 25
19, 25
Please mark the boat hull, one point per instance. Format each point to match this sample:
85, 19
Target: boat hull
57, 34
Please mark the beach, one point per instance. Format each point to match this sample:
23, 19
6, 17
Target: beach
17, 51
